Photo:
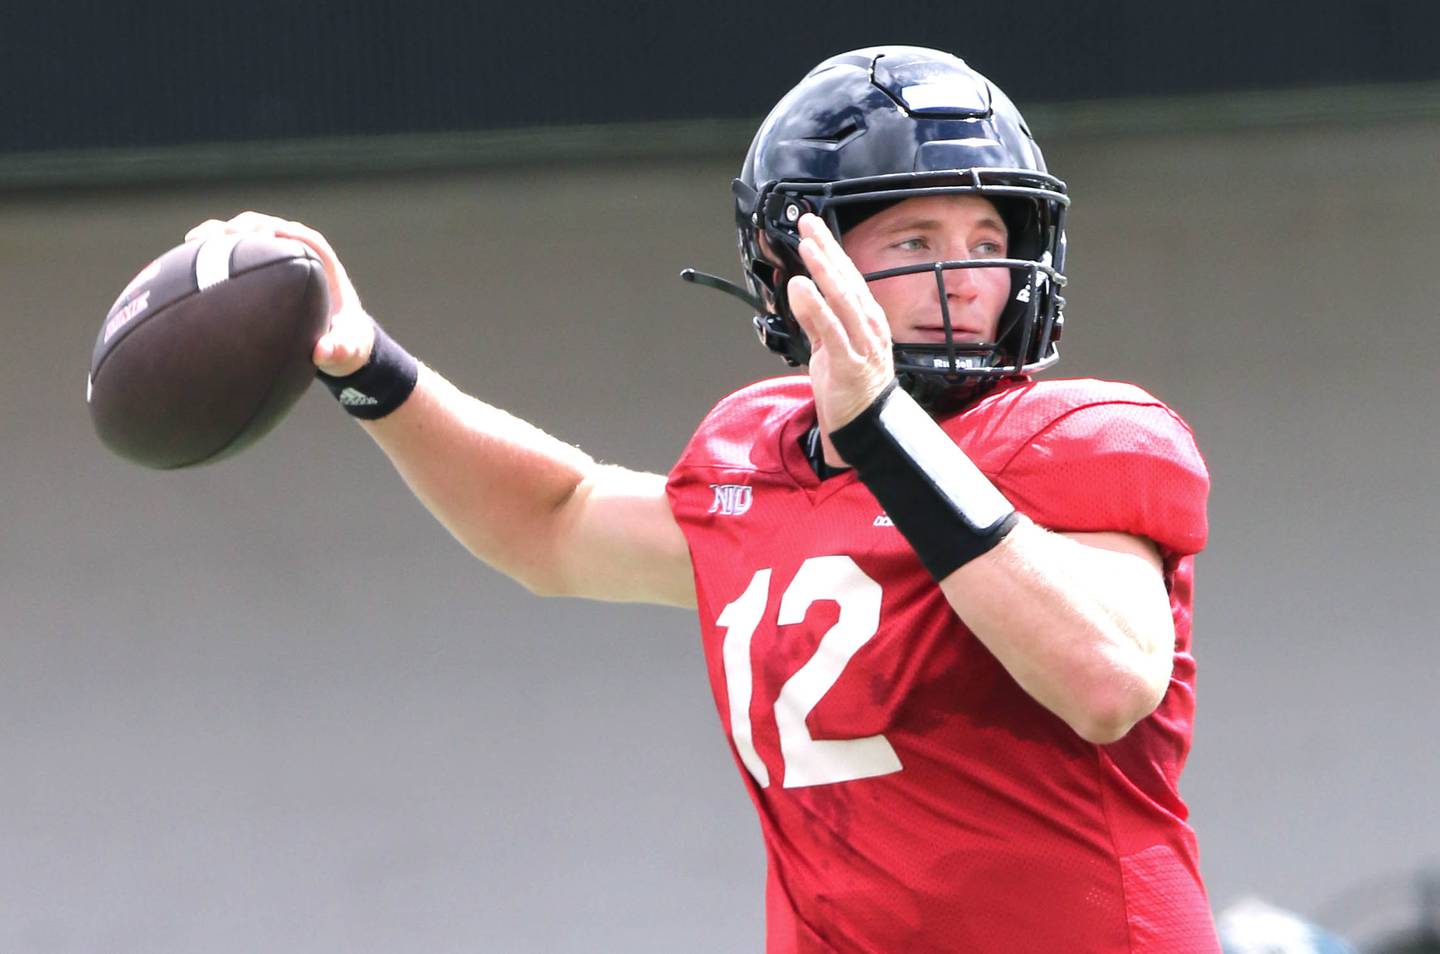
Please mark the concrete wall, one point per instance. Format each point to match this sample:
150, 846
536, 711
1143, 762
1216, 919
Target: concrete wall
269, 705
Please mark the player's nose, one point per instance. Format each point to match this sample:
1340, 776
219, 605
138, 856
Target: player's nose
959, 283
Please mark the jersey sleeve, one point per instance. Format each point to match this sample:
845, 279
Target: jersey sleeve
1132, 468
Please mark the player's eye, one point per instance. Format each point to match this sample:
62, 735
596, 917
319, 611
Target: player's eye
915, 244
989, 249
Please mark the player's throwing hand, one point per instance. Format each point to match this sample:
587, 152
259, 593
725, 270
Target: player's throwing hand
851, 360
345, 347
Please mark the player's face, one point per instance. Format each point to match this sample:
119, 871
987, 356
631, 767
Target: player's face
930, 229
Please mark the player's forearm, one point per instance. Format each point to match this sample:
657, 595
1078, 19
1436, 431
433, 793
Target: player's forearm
1078, 626
1087, 632
497, 483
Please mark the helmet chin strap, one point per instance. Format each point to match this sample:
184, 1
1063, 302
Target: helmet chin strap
940, 396
720, 284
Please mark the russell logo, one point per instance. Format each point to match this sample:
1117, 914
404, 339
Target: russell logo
731, 500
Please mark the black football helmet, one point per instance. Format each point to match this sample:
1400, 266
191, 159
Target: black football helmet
870, 128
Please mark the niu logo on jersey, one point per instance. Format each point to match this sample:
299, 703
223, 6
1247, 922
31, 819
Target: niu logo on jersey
731, 500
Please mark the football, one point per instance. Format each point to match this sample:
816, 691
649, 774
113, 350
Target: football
207, 349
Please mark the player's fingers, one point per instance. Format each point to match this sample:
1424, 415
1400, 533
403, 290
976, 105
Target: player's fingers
205, 229
840, 270
343, 296
304, 233
805, 308
818, 320
814, 227
252, 221
346, 346
851, 304
338, 358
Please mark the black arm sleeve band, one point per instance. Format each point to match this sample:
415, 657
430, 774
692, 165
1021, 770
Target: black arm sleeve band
381, 385
934, 494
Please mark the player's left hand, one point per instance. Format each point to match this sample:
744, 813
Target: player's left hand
851, 360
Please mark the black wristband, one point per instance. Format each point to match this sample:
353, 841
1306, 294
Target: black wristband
381, 385
934, 494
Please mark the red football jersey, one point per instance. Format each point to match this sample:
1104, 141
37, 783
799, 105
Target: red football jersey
911, 795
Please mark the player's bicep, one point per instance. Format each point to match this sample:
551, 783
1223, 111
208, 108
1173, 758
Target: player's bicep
618, 540
1138, 548
1128, 574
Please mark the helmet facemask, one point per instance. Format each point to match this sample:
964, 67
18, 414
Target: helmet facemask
940, 375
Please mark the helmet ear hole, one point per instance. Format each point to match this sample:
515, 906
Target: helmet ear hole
765, 274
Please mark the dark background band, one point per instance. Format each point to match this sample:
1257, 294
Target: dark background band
87, 73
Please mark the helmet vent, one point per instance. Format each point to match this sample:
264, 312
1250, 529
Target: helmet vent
844, 134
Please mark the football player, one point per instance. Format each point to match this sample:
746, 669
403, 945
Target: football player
945, 607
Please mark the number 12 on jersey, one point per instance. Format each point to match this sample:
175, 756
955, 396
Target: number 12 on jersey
807, 760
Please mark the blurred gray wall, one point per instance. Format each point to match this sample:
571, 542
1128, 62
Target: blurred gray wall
270, 705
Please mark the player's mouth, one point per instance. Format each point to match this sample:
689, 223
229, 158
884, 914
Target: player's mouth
935, 334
